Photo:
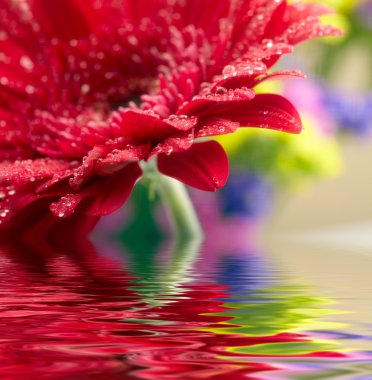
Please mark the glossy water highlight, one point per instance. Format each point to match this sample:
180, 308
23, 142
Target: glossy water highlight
182, 311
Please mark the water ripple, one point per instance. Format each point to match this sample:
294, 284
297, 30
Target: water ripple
70, 312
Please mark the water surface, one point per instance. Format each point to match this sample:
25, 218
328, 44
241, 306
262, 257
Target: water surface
168, 310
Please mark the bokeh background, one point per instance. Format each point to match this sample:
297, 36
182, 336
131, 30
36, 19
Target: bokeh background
338, 98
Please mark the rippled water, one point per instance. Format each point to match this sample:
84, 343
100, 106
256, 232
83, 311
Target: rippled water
173, 310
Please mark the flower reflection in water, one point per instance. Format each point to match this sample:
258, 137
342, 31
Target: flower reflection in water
70, 312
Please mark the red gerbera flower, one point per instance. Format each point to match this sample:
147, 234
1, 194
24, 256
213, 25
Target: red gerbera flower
90, 88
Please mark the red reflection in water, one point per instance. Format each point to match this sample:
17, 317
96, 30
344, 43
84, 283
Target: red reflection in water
68, 313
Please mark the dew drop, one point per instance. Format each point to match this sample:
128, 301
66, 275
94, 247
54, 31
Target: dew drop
30, 89
221, 90
85, 88
216, 181
4, 81
168, 151
133, 40
26, 63
229, 71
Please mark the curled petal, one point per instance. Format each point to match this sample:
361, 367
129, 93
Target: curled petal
264, 111
115, 190
203, 166
86, 169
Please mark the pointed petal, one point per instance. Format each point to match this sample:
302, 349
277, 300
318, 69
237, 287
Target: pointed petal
203, 166
278, 76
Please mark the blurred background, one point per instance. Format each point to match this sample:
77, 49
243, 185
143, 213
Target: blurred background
336, 100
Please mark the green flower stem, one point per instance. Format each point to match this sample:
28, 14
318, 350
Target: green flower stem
185, 222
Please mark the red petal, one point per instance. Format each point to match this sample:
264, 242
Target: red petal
117, 159
264, 111
278, 76
141, 127
244, 78
300, 11
66, 205
236, 75
303, 23
217, 100
204, 166
61, 18
215, 126
276, 23
179, 142
23, 172
115, 190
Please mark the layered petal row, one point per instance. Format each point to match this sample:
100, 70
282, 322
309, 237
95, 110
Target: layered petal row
89, 89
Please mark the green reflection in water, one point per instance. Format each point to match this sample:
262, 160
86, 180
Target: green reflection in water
267, 311
275, 310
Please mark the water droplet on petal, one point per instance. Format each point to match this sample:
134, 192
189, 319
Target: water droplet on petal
85, 88
30, 89
229, 71
26, 63
221, 90
4, 81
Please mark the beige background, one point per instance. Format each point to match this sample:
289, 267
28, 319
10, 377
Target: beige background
323, 239
343, 200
